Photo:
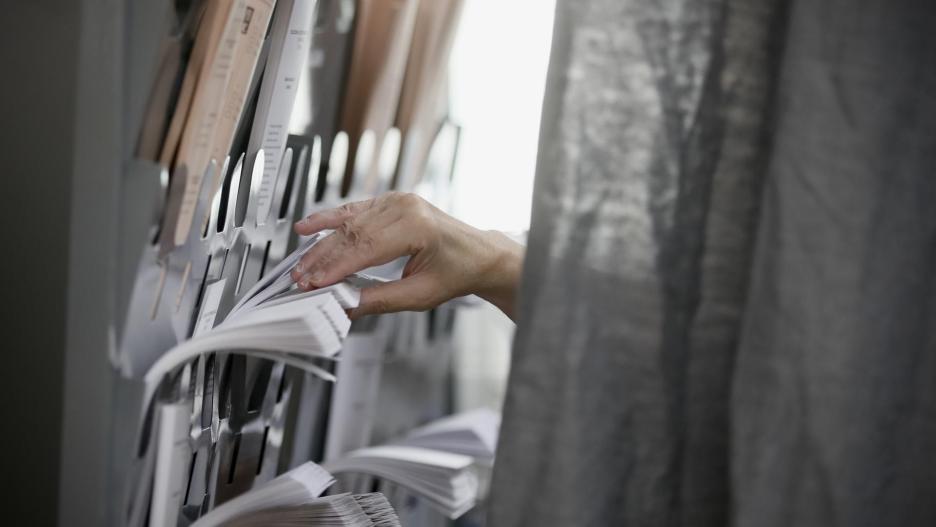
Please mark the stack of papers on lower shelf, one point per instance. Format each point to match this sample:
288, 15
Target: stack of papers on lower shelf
377, 509
300, 486
273, 320
445, 480
358, 510
310, 326
472, 433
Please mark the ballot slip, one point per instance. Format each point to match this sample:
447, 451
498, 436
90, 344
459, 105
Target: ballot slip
472, 433
341, 510
289, 43
446, 480
273, 320
299, 486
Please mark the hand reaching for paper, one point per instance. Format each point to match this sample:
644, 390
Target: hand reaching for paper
448, 258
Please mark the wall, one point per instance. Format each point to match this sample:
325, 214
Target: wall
38, 47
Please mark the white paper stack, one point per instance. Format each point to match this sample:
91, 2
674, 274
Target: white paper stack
273, 320
377, 509
276, 280
472, 433
445, 480
311, 326
277, 286
299, 486
342, 510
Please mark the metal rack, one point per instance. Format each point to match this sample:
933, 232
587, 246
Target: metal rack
251, 419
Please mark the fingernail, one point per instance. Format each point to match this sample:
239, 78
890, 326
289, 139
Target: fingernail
305, 284
299, 268
317, 277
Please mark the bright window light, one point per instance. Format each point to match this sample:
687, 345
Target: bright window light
498, 73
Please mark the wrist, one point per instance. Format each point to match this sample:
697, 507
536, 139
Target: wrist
500, 271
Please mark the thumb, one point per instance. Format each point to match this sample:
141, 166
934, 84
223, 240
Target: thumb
413, 293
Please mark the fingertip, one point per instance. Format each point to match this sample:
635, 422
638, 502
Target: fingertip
309, 281
306, 226
302, 228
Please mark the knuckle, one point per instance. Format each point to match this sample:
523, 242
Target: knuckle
415, 209
411, 201
393, 196
323, 261
345, 211
355, 236
350, 230
366, 242
385, 201
310, 259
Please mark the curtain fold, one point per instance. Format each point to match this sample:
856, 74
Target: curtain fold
726, 315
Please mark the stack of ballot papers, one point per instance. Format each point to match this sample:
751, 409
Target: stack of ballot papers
377, 509
472, 433
309, 325
293, 499
277, 287
357, 510
300, 485
273, 320
447, 481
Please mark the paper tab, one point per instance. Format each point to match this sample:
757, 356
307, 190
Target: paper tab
209, 307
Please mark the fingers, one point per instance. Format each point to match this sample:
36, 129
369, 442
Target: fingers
415, 293
332, 218
373, 238
366, 234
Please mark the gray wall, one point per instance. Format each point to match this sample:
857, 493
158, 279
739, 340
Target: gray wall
38, 48
60, 148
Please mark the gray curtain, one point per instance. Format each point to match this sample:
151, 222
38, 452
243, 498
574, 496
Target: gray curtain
728, 309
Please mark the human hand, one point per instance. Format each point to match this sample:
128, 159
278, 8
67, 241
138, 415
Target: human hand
448, 258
